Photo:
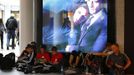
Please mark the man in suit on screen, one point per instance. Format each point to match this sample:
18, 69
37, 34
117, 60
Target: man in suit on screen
93, 31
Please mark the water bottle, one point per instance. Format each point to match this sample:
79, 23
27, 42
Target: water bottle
61, 69
86, 70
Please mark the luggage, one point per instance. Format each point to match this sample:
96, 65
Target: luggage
1, 59
8, 62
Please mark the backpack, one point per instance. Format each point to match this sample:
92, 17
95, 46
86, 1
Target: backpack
12, 24
8, 62
1, 58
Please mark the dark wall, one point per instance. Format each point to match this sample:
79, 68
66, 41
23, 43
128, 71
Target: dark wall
129, 32
111, 22
39, 22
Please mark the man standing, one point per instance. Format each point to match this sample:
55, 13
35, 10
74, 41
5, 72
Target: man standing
11, 26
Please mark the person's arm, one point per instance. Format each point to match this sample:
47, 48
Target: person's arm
7, 23
128, 63
47, 57
30, 59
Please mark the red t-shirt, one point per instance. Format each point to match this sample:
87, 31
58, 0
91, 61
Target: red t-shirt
56, 58
44, 56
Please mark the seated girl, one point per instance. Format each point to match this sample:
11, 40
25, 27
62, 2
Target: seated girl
26, 58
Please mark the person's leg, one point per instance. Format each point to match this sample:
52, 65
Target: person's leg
18, 37
71, 60
2, 41
112, 72
13, 37
77, 61
8, 40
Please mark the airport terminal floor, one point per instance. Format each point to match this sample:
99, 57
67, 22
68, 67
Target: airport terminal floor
15, 72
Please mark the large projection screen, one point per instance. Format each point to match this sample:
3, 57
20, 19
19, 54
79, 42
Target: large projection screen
79, 25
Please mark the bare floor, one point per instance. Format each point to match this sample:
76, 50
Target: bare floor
15, 72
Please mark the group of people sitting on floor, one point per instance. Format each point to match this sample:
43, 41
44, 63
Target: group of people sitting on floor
31, 61
42, 61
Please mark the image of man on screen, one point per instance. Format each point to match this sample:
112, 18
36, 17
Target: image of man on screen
93, 31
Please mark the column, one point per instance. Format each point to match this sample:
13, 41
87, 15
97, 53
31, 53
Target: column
120, 6
26, 23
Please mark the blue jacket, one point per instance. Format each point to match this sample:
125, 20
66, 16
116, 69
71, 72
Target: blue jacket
95, 37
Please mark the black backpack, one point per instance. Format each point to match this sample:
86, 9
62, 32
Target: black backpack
8, 62
12, 24
1, 59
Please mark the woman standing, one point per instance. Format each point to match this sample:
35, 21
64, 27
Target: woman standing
2, 29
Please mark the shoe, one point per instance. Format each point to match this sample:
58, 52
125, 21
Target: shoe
33, 72
1, 47
7, 48
13, 48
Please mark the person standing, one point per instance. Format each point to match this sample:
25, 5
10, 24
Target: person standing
11, 26
2, 29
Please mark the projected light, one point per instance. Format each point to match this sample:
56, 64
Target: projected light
77, 30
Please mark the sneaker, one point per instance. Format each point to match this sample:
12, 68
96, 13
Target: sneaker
7, 48
33, 72
13, 48
1, 47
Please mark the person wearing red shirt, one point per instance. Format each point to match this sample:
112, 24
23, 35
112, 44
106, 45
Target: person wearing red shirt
56, 56
56, 59
43, 56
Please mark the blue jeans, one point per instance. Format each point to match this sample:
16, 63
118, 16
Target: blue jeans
10, 35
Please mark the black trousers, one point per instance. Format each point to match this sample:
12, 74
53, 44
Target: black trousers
1, 38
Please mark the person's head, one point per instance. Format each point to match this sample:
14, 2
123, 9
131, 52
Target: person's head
29, 48
94, 6
33, 43
115, 48
54, 50
43, 48
12, 17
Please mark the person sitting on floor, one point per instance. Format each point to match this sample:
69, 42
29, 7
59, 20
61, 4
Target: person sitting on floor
26, 58
117, 62
56, 59
74, 59
42, 59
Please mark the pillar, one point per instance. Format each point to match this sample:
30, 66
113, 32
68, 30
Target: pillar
26, 23
120, 6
